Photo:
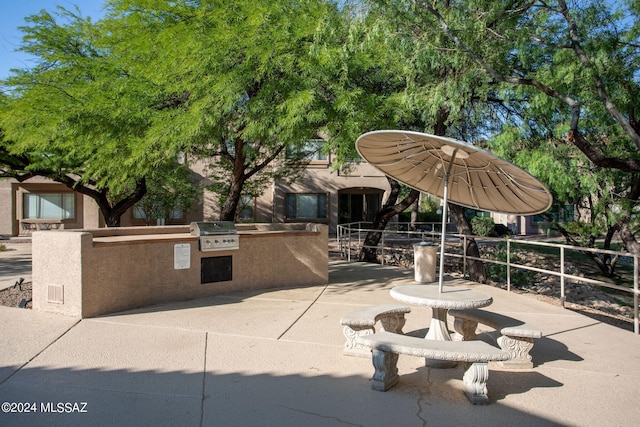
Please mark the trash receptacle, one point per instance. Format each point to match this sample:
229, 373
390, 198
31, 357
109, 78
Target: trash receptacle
425, 257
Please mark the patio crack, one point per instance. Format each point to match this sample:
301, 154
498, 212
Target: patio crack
321, 416
421, 402
303, 313
204, 378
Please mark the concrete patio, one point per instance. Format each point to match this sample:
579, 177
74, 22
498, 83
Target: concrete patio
275, 358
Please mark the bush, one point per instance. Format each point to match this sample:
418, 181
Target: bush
498, 272
2, 248
482, 226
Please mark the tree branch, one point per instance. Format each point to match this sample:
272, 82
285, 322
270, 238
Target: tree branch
602, 92
265, 162
598, 158
595, 155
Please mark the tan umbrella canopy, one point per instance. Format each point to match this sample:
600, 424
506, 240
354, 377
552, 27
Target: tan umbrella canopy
454, 171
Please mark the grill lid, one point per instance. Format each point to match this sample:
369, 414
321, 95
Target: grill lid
214, 227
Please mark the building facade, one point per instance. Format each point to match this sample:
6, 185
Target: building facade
319, 194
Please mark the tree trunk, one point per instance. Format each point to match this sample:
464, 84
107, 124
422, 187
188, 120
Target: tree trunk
606, 264
628, 237
415, 208
476, 269
111, 213
382, 218
626, 230
230, 207
18, 169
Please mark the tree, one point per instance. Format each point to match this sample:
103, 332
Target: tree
63, 119
570, 72
233, 82
397, 77
244, 78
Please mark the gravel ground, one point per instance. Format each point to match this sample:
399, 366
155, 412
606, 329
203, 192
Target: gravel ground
14, 295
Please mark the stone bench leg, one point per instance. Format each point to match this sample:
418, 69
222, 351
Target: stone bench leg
465, 328
351, 347
393, 323
386, 370
518, 348
474, 383
390, 323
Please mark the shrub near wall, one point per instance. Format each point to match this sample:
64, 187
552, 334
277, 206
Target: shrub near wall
482, 226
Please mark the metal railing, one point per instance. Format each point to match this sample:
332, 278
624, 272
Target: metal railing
351, 238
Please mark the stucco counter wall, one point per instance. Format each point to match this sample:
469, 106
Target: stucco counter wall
93, 272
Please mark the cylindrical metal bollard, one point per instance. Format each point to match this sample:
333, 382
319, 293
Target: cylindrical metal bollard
425, 257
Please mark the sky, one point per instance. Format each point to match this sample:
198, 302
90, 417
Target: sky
12, 14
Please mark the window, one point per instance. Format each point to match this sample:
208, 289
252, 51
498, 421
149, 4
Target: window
470, 213
140, 212
565, 213
311, 150
307, 206
49, 205
246, 207
569, 213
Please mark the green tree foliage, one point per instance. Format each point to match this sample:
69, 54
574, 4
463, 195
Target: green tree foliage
231, 82
62, 118
397, 73
565, 78
170, 190
241, 81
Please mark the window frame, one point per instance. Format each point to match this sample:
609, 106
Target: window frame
65, 198
321, 207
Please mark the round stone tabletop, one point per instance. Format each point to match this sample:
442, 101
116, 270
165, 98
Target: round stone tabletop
450, 297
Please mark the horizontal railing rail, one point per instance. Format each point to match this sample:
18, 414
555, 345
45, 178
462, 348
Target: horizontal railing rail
351, 240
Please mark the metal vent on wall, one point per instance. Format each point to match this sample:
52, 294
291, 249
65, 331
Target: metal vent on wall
55, 294
216, 269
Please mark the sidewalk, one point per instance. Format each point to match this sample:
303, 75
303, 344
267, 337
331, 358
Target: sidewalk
274, 358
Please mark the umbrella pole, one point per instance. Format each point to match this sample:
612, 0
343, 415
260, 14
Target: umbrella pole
443, 231
445, 195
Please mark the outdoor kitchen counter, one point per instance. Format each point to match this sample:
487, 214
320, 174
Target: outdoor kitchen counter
186, 237
142, 238
88, 273
262, 233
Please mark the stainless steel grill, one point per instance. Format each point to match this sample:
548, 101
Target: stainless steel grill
216, 235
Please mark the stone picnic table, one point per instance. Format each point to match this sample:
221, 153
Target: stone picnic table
451, 297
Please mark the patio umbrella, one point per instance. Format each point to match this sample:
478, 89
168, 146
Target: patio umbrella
454, 171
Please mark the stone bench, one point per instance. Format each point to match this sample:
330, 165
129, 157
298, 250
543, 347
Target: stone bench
362, 322
516, 336
386, 347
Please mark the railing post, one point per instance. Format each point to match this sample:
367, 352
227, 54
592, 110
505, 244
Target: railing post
382, 254
508, 265
562, 297
349, 245
464, 255
636, 327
